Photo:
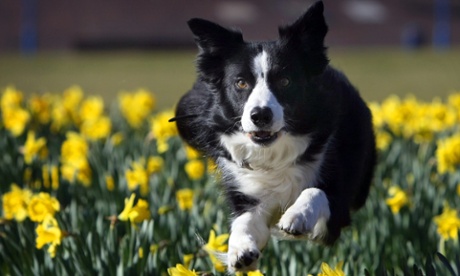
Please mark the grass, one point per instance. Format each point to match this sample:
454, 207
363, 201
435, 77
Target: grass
167, 74
380, 72
376, 72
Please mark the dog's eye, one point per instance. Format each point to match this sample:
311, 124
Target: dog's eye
284, 82
242, 84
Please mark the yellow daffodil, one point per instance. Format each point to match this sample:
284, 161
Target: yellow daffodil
91, 108
326, 270
162, 145
117, 138
137, 176
136, 106
164, 209
15, 119
382, 139
413, 119
137, 213
71, 100
14, 203
65, 109
195, 169
48, 232
398, 199
59, 116
216, 243
42, 205
154, 164
192, 153
32, 147
188, 258
75, 146
215, 246
40, 107
184, 198
109, 183
448, 154
454, 100
180, 270
98, 128
50, 176
54, 177
11, 97
377, 115
448, 223
250, 273
441, 115
77, 170
162, 129
74, 160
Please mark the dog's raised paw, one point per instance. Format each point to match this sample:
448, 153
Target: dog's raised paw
295, 224
244, 260
308, 216
299, 225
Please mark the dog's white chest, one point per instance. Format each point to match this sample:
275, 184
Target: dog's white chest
270, 174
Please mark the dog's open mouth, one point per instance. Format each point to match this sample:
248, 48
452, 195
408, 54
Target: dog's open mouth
263, 137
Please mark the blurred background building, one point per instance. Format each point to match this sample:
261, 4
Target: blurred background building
31, 25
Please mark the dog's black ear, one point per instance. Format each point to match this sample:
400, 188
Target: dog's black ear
211, 37
215, 43
308, 32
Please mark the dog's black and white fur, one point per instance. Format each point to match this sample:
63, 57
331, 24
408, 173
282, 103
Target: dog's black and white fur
290, 134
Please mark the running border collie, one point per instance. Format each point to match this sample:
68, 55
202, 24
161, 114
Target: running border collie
291, 136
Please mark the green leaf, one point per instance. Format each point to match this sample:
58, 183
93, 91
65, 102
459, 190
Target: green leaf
446, 263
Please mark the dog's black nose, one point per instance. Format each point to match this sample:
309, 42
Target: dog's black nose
261, 116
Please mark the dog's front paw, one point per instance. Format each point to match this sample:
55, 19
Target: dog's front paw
243, 257
296, 223
301, 226
307, 217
